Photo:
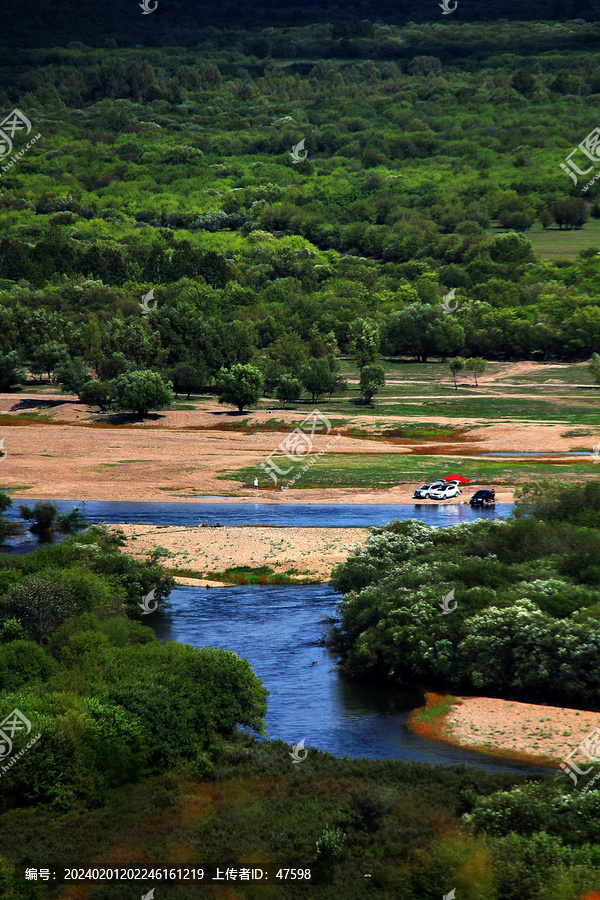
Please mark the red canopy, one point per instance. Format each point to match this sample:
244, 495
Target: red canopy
458, 478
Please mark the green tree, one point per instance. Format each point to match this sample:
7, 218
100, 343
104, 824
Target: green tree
289, 389
48, 357
272, 372
418, 329
337, 384
523, 82
44, 515
477, 365
40, 603
11, 372
594, 367
290, 352
187, 378
570, 212
456, 365
365, 341
141, 391
72, 375
110, 365
241, 385
98, 393
372, 378
316, 377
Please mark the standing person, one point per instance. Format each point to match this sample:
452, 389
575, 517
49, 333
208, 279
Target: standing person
256, 484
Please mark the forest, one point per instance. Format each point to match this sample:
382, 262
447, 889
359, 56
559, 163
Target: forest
168, 173
262, 201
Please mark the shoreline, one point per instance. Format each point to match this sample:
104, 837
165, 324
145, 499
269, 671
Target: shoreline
355, 496
202, 453
472, 723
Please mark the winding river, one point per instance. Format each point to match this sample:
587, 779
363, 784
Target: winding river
279, 630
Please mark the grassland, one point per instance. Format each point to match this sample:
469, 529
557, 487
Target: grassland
383, 470
552, 243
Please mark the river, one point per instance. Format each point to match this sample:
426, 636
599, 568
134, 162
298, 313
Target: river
278, 629
297, 515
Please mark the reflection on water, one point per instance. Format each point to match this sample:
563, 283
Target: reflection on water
278, 629
17, 544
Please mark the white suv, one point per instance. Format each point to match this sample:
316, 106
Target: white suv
447, 492
422, 493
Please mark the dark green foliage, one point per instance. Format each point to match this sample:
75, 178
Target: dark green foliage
570, 212
22, 662
288, 389
526, 622
372, 378
168, 168
187, 378
240, 385
142, 391
113, 704
11, 372
98, 393
456, 365
43, 515
316, 377
73, 375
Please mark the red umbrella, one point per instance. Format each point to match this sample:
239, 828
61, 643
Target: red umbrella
458, 478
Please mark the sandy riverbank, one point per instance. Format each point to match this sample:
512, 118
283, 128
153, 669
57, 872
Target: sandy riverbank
311, 553
507, 729
183, 454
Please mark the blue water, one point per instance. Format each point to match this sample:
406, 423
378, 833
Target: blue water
304, 515
278, 630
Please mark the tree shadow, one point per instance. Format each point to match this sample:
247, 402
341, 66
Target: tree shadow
127, 418
29, 403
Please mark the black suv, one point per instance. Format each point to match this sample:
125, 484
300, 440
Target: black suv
481, 498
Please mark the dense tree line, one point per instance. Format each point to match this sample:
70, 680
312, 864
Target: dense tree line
526, 625
254, 260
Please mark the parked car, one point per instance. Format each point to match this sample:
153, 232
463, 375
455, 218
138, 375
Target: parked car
446, 492
422, 493
483, 497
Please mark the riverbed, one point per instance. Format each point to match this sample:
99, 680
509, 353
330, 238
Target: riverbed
279, 630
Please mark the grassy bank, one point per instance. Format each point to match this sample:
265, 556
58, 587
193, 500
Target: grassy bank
341, 470
240, 575
364, 827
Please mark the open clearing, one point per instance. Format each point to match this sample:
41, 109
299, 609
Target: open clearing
57, 448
